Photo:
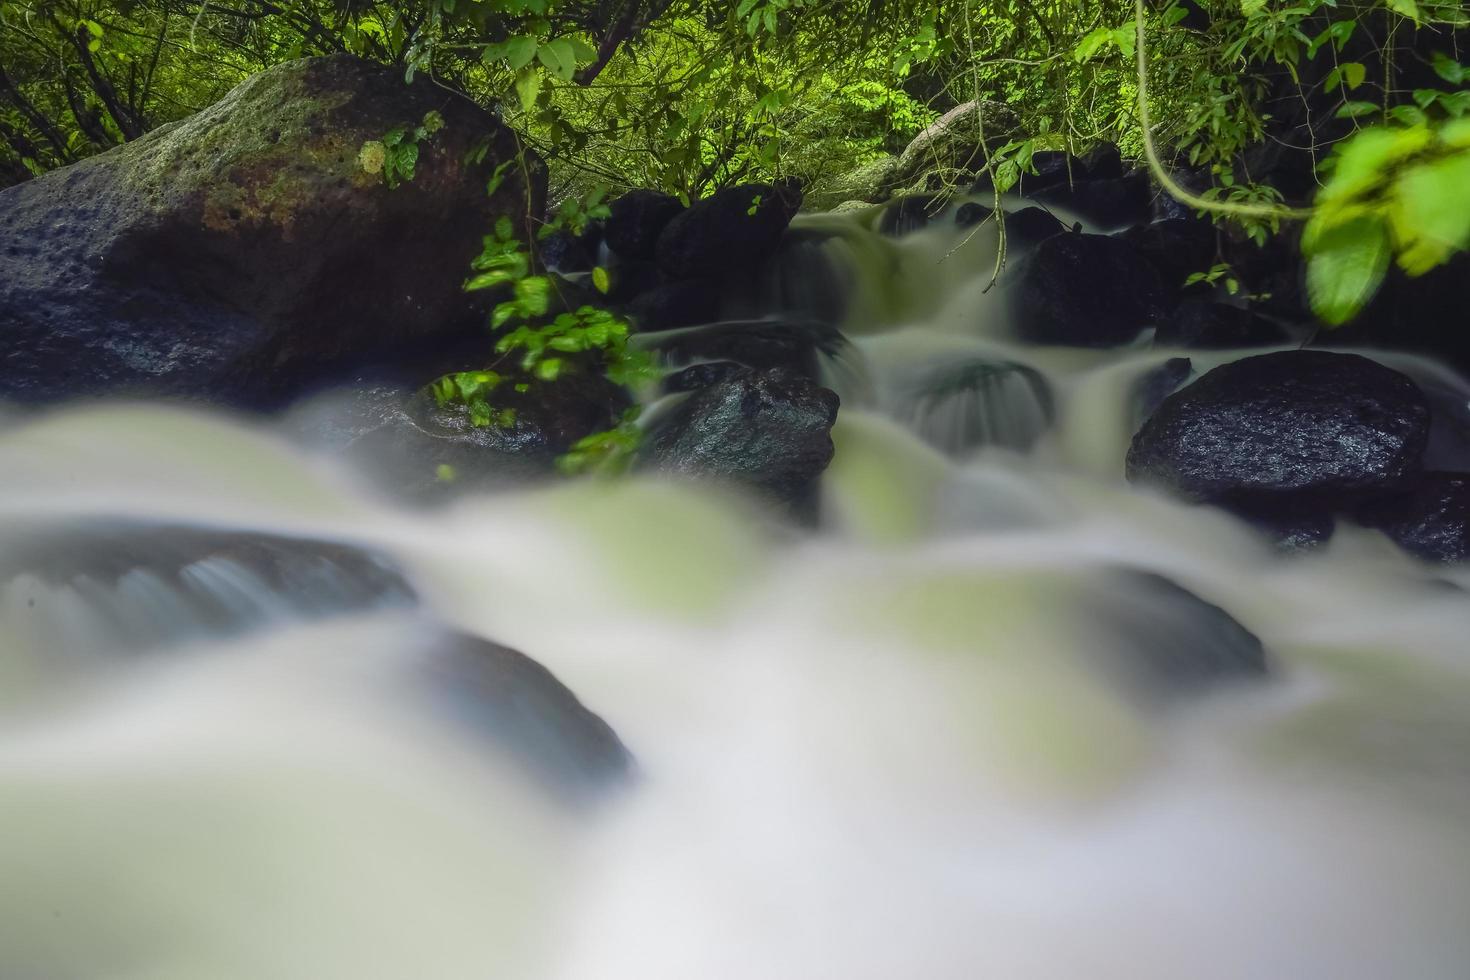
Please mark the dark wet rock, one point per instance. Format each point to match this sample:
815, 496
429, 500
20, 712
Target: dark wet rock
1429, 517
415, 449
526, 712
1170, 642
631, 278
982, 403
911, 213
147, 586
697, 376
1031, 226
770, 431
970, 214
733, 229
1427, 315
1216, 326
1158, 384
1178, 248
1271, 430
1291, 525
1113, 203
795, 345
563, 252
638, 218
1087, 291
249, 252
686, 303
1102, 161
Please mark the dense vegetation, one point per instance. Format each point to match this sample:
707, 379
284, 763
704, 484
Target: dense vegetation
1248, 98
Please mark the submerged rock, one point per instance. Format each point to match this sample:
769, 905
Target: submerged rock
415, 449
1108, 203
637, 220
1086, 291
1174, 642
672, 305
527, 712
101, 586
766, 430
733, 229
1429, 518
1271, 429
251, 250
1161, 382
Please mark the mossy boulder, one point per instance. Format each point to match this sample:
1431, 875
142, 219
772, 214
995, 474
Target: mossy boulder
254, 249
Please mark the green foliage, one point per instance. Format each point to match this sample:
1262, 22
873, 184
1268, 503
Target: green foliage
396, 155
606, 453
1395, 194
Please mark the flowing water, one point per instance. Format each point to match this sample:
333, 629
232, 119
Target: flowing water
974, 725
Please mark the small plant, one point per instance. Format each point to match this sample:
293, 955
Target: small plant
534, 350
396, 155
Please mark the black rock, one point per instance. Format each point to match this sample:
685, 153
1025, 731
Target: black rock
526, 712
697, 376
1113, 203
733, 229
1103, 161
1427, 314
1086, 291
1274, 429
766, 430
1216, 326
970, 214
686, 303
1178, 248
1429, 518
562, 252
637, 220
1031, 226
1170, 642
251, 252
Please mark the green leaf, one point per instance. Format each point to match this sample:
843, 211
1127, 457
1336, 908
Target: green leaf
1352, 110
1408, 8
600, 280
1346, 262
1449, 69
488, 280
528, 86
1410, 115
1353, 74
504, 229
519, 50
533, 293
559, 58
549, 369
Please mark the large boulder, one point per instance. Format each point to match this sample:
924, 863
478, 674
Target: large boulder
770, 431
1086, 291
731, 230
636, 220
869, 183
1271, 431
254, 248
951, 145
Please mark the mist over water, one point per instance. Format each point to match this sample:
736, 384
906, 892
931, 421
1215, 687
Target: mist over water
999, 715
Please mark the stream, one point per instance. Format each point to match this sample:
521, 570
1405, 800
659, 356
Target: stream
998, 714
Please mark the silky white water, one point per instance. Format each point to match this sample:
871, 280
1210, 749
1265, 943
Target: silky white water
913, 742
